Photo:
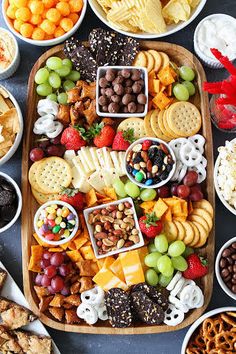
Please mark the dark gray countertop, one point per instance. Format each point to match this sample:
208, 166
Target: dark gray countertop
10, 242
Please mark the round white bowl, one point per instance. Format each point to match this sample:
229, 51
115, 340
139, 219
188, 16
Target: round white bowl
210, 62
217, 269
141, 185
11, 69
19, 207
18, 138
199, 321
47, 42
97, 9
218, 192
65, 240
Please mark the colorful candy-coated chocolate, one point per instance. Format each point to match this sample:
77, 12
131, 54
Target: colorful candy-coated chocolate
149, 182
134, 172
139, 176
56, 229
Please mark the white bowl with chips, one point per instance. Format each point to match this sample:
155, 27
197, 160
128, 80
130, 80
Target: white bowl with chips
199, 321
12, 50
18, 136
19, 201
98, 10
217, 188
46, 42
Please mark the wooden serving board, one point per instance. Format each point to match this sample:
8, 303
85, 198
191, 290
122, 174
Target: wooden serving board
182, 57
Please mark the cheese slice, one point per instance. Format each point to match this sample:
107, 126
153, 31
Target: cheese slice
84, 162
132, 267
116, 162
117, 269
68, 156
107, 280
77, 163
107, 158
93, 152
143, 252
88, 157
108, 262
121, 155
80, 181
101, 158
96, 180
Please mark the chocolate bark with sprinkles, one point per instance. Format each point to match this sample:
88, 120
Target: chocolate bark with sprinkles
146, 309
118, 308
70, 45
128, 52
83, 61
157, 295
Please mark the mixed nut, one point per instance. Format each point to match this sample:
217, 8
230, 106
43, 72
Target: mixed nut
114, 227
122, 91
149, 162
228, 267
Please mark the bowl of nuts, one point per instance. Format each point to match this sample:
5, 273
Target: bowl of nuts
225, 268
150, 162
122, 91
113, 228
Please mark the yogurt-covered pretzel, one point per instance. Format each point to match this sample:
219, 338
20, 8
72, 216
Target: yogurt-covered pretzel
47, 106
94, 296
173, 316
88, 313
189, 155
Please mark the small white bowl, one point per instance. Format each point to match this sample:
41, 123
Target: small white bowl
223, 286
140, 141
61, 203
18, 137
97, 9
11, 69
91, 229
210, 62
100, 73
199, 321
19, 207
217, 188
47, 42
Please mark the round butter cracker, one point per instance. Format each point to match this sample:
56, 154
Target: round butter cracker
157, 59
160, 119
165, 60
137, 124
147, 125
140, 60
150, 61
32, 176
43, 198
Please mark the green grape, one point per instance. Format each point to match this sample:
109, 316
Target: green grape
148, 194
62, 98
67, 62
187, 252
151, 277
132, 189
68, 85
151, 259
190, 87
54, 80
151, 248
186, 73
164, 281
52, 97
63, 71
179, 263
54, 63
168, 271
74, 75
44, 89
119, 188
181, 92
161, 243
164, 263
41, 76
156, 269
176, 248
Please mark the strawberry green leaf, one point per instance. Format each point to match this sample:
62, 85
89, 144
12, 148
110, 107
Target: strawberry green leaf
128, 135
70, 192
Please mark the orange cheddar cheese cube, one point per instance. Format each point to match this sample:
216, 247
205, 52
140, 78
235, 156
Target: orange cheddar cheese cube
161, 101
117, 269
132, 267
107, 280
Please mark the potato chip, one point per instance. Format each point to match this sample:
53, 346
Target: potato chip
3, 105
194, 3
177, 10
154, 23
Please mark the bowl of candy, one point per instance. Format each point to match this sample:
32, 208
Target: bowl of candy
56, 222
43, 23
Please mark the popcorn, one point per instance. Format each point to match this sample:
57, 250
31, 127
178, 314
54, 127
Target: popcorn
226, 177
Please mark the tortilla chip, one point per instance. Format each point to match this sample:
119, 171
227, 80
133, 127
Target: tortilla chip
10, 120
36, 255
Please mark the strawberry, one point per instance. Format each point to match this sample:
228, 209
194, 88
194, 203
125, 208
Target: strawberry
72, 138
123, 139
150, 225
73, 197
103, 135
197, 267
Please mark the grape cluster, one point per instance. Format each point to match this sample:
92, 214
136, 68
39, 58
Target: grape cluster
186, 88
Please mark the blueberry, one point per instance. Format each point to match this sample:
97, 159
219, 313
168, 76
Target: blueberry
138, 158
129, 169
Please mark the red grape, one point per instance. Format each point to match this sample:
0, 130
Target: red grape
45, 280
36, 154
50, 271
64, 270
57, 283
183, 191
50, 289
38, 279
163, 192
44, 263
195, 188
173, 189
65, 291
55, 150
190, 178
47, 255
66, 257
196, 196
57, 259
44, 143
56, 140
